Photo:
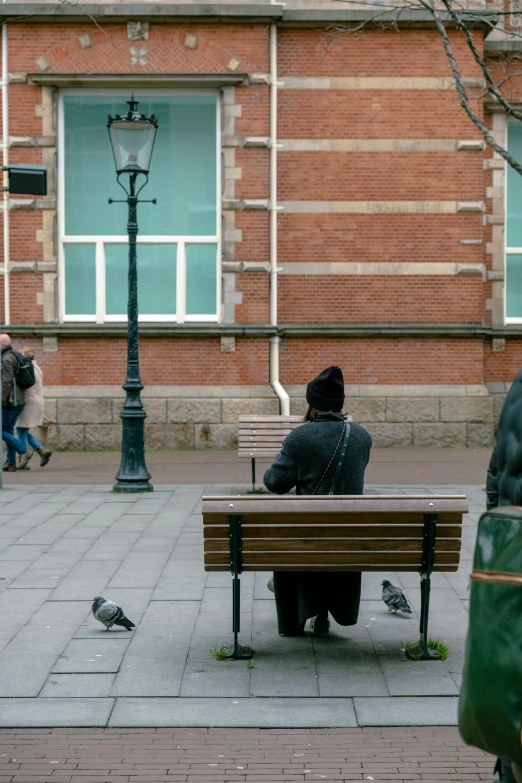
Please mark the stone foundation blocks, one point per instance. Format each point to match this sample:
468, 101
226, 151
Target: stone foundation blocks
193, 411
87, 411
233, 409
165, 437
477, 409
215, 436
441, 435
414, 409
386, 436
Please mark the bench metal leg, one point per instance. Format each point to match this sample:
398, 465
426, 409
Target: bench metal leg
428, 557
254, 490
239, 653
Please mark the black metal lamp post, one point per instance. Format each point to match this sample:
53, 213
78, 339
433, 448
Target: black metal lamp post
132, 138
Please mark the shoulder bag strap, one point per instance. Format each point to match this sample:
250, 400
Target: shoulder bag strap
341, 459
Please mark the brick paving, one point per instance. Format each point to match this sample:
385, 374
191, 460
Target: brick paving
386, 755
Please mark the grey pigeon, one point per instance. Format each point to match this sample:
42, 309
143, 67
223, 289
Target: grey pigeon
394, 598
109, 613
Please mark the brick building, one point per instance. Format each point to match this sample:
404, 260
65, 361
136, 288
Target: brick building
322, 198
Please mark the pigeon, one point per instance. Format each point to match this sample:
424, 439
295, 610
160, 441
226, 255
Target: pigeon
394, 598
109, 613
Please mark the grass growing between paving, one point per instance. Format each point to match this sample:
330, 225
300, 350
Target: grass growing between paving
434, 644
219, 653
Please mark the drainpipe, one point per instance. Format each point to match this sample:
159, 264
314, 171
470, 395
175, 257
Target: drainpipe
5, 162
284, 400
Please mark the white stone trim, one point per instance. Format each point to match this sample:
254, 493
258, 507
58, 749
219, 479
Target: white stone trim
379, 145
380, 207
381, 268
375, 82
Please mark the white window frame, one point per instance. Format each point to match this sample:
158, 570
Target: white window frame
508, 251
100, 317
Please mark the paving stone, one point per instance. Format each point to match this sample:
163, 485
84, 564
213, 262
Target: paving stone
88, 579
230, 712
54, 712
22, 552
204, 676
17, 609
406, 711
78, 686
91, 655
347, 667
417, 678
156, 657
139, 570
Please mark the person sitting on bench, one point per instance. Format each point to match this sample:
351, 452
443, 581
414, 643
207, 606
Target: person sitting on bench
326, 456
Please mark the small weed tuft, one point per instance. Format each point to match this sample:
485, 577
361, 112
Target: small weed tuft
219, 653
434, 644
250, 665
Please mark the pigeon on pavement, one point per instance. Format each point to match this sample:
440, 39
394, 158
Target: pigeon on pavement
394, 598
109, 613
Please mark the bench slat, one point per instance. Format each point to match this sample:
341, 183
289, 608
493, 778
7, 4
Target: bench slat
268, 545
305, 504
337, 518
404, 568
262, 426
329, 530
277, 559
246, 417
253, 452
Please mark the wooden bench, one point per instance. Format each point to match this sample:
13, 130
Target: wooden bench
263, 436
339, 533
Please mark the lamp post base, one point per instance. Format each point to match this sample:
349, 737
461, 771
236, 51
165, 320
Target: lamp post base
132, 475
133, 486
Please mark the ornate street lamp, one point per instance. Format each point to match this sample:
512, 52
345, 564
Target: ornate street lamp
132, 139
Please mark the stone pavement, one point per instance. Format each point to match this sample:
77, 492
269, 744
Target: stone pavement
62, 545
387, 466
239, 756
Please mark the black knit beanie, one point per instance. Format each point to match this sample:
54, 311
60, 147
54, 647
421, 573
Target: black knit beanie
326, 392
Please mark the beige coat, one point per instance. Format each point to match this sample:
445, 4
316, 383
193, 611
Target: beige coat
33, 412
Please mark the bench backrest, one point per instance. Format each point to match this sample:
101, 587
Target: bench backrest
262, 436
338, 533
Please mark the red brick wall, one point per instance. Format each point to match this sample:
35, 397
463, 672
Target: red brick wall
24, 287
502, 366
361, 238
384, 361
163, 362
380, 299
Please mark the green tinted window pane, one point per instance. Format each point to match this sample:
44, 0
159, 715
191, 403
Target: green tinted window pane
156, 279
183, 176
80, 279
201, 279
514, 286
514, 188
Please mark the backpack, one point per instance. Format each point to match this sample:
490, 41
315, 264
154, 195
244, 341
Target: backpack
25, 374
490, 705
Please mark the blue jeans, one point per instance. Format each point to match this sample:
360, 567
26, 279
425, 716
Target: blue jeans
24, 436
9, 417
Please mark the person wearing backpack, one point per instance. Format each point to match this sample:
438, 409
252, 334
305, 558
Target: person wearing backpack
32, 414
13, 400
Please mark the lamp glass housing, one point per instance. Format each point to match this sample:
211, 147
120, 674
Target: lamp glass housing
132, 139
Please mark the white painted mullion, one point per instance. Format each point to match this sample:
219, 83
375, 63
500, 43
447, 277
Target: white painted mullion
100, 282
219, 313
181, 282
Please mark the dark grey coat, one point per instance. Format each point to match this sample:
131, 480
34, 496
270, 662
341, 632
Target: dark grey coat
302, 461
504, 479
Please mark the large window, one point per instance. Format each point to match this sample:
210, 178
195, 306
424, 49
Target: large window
178, 240
513, 274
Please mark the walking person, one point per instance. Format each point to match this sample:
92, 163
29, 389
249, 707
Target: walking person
504, 482
311, 461
13, 399
32, 415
